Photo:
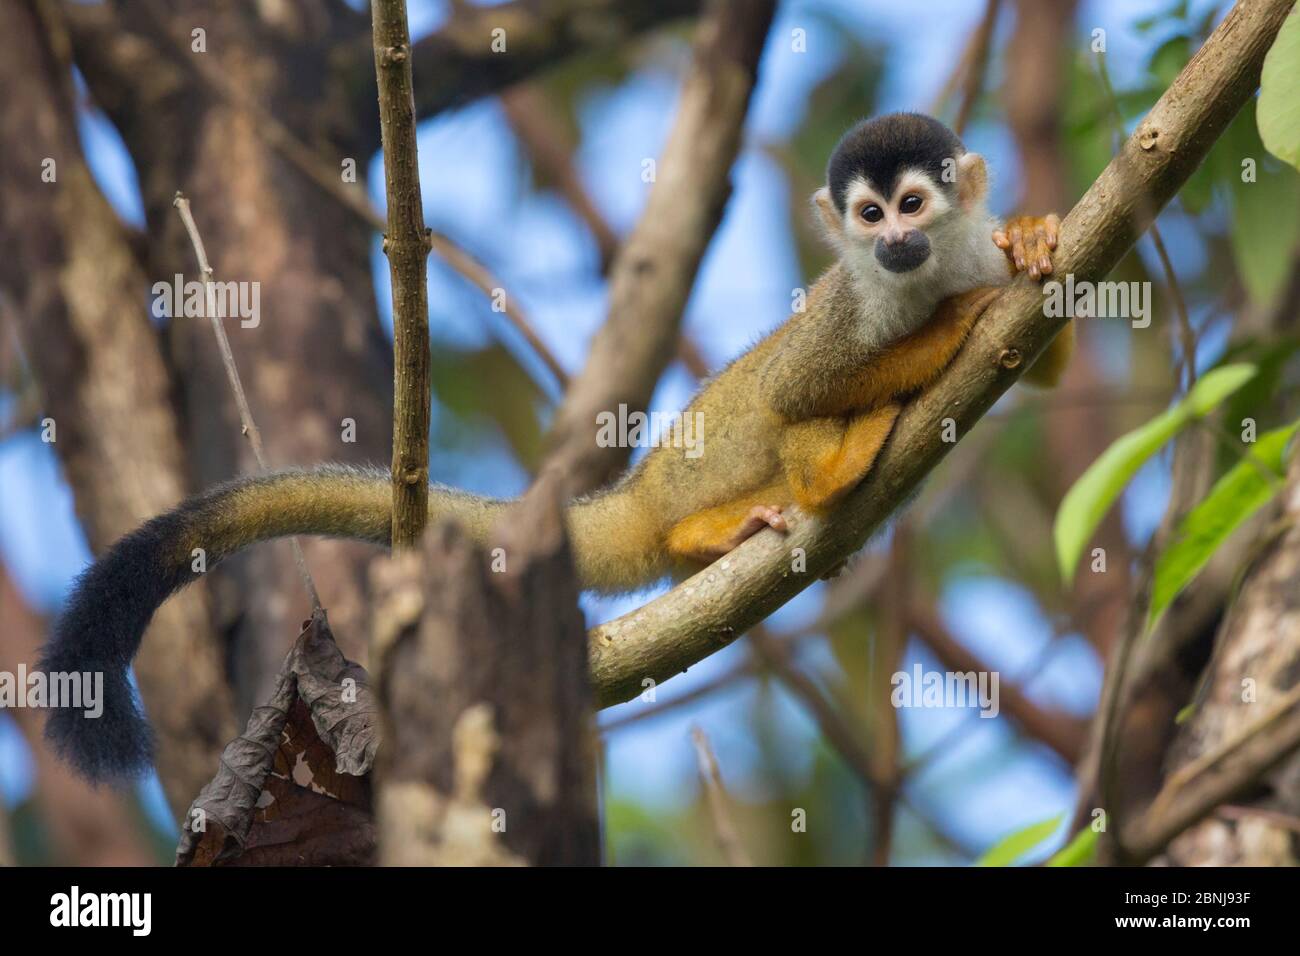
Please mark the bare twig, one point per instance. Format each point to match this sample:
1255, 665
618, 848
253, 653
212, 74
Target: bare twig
848, 591
708, 611
728, 841
407, 248
534, 123
484, 280
746, 668
232, 373
1229, 769
959, 76
846, 740
882, 722
842, 736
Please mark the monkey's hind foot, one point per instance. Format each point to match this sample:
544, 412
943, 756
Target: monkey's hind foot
759, 517
1029, 242
709, 535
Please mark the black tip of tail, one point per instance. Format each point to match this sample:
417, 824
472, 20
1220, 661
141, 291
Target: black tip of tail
100, 631
115, 746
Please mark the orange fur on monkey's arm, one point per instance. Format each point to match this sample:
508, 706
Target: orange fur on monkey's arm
909, 364
824, 457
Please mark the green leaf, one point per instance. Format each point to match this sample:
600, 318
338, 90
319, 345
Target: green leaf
1015, 845
1087, 502
1079, 851
1265, 225
1279, 94
1235, 497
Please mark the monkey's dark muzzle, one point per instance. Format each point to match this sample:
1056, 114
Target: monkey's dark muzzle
904, 253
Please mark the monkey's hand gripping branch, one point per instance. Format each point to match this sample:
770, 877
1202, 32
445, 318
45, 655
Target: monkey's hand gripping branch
708, 611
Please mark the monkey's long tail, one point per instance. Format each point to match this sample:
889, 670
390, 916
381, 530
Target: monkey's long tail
111, 604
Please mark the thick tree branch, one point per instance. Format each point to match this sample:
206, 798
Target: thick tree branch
1234, 739
653, 274
708, 611
488, 756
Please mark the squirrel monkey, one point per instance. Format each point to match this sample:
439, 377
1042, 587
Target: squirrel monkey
797, 420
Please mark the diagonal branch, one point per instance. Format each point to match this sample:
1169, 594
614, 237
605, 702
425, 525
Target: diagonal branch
711, 609
653, 274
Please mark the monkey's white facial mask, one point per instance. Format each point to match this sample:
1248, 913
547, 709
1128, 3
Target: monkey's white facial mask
887, 238
910, 237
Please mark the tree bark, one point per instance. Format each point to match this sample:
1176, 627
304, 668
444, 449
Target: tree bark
1256, 663
79, 297
489, 748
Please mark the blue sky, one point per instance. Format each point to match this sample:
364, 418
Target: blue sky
988, 783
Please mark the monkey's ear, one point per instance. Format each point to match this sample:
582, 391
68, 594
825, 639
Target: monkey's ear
972, 179
829, 216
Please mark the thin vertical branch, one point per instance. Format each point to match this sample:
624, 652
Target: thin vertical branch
407, 247
232, 373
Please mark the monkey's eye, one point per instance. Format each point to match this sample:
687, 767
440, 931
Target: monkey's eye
911, 203
872, 213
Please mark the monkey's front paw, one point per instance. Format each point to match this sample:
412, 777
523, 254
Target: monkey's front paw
1028, 242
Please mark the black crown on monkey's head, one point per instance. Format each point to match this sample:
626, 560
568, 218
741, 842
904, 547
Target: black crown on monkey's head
882, 149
